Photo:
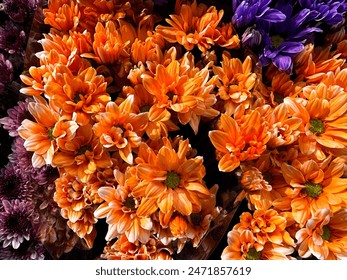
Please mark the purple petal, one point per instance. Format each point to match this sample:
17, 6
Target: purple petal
283, 62
272, 15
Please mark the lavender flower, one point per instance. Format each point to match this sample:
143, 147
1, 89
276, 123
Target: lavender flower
19, 10
15, 117
20, 156
249, 12
28, 250
16, 223
331, 12
6, 72
12, 38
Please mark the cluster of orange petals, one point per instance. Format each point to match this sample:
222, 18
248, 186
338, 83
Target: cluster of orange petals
110, 89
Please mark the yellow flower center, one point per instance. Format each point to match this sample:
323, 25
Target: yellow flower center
172, 180
313, 190
130, 203
326, 233
316, 126
253, 254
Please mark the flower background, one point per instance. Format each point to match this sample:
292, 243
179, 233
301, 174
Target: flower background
173, 129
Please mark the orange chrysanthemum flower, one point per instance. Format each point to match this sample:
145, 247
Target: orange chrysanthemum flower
111, 43
323, 122
122, 249
235, 142
120, 129
182, 88
120, 208
242, 246
83, 155
79, 97
266, 226
63, 15
313, 63
170, 182
42, 137
197, 25
324, 236
158, 125
316, 186
235, 81
77, 202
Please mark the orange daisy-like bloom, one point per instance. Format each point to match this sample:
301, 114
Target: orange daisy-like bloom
79, 97
120, 129
235, 81
77, 201
83, 155
158, 125
175, 88
112, 44
235, 142
313, 63
323, 122
324, 236
120, 208
242, 246
316, 186
197, 25
42, 136
63, 15
283, 127
170, 182
266, 226
123, 249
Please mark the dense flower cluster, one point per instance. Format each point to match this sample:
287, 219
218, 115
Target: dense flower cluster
107, 131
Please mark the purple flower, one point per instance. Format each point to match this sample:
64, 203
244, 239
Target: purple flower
286, 39
15, 117
28, 250
12, 38
6, 72
249, 12
12, 184
19, 10
331, 12
20, 157
16, 223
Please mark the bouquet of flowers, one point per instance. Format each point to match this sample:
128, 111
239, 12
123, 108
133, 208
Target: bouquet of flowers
142, 126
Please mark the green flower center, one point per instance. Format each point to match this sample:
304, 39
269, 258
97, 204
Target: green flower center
130, 203
50, 133
326, 233
313, 190
77, 97
83, 149
253, 254
316, 126
145, 108
276, 41
172, 180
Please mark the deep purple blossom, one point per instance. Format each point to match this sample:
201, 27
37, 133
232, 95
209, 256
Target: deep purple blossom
287, 38
19, 10
16, 223
12, 38
331, 12
6, 72
250, 12
12, 184
20, 157
28, 250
